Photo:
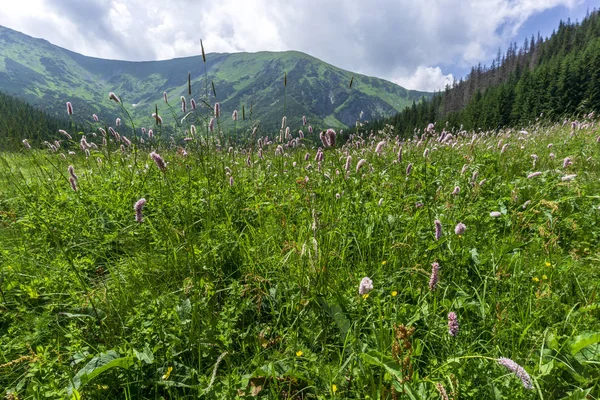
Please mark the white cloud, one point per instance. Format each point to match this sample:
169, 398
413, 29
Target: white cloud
400, 40
427, 79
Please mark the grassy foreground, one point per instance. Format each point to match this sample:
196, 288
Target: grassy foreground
240, 275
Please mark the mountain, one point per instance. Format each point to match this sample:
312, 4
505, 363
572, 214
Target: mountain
48, 76
557, 77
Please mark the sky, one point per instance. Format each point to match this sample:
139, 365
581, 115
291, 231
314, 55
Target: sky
421, 45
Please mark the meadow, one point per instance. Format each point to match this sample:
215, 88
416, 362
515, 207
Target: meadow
449, 265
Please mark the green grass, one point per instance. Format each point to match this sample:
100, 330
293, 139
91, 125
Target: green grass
252, 289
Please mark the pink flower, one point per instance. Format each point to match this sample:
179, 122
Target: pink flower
438, 229
118, 122
183, 105
72, 172
456, 191
26, 144
567, 161
348, 163
69, 108
234, 116
360, 163
366, 285
408, 169
193, 103
452, 324
303, 120
158, 160
217, 110
533, 175
433, 280
73, 183
460, 228
138, 207
158, 118
112, 96
517, 370
95, 117
211, 125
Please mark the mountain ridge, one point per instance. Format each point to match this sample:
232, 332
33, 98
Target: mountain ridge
47, 76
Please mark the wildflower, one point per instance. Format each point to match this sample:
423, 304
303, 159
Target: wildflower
379, 147
433, 280
112, 96
408, 169
283, 122
482, 182
399, 155
72, 172
150, 133
544, 277
310, 129
360, 163
234, 115
464, 168
158, 118
425, 153
438, 229
526, 204
534, 174
380, 202
69, 108
211, 125
517, 370
551, 155
366, 285
231, 181
165, 98
495, 214
183, 104
460, 228
394, 293
334, 388
304, 120
217, 110
26, 144
118, 122
568, 177
547, 264
567, 161
440, 388
504, 148
138, 207
299, 353
167, 374
324, 139
452, 324
95, 117
73, 183
331, 136
193, 104
456, 191
158, 160
418, 204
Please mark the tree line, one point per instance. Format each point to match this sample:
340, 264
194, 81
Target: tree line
551, 78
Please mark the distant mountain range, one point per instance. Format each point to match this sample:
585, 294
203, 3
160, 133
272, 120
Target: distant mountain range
48, 76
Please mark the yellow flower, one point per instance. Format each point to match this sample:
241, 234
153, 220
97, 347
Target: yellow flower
167, 374
383, 262
334, 388
544, 276
299, 353
394, 293
365, 296
535, 279
548, 264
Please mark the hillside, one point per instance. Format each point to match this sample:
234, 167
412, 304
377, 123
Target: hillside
19, 120
556, 78
47, 76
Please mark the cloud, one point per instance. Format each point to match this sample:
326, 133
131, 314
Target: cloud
429, 79
399, 40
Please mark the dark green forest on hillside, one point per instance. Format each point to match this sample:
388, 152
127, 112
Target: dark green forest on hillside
554, 77
19, 120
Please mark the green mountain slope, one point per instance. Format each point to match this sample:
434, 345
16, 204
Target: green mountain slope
47, 76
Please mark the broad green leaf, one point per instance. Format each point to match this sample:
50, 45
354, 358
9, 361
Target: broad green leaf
98, 365
581, 341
